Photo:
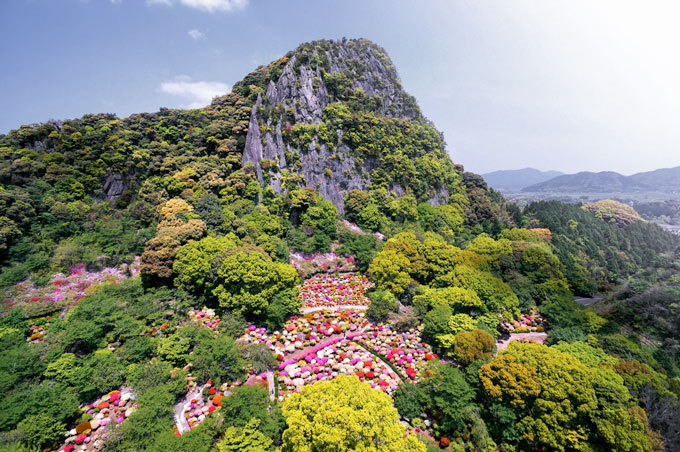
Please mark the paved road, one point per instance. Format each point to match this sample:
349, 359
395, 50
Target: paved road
586, 301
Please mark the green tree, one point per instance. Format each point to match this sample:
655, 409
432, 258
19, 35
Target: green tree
448, 395
217, 357
193, 263
559, 402
343, 414
389, 270
41, 431
246, 439
382, 305
249, 280
470, 346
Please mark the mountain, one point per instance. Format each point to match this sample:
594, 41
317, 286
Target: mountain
666, 179
329, 117
661, 180
514, 180
335, 114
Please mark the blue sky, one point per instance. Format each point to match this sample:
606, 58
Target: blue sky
572, 86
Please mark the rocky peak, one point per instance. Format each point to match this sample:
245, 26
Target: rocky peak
294, 122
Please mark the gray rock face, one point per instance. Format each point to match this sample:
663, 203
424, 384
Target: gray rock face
301, 89
253, 149
114, 186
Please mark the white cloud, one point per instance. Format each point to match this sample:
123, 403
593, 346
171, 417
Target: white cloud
209, 6
197, 94
196, 34
116, 1
216, 5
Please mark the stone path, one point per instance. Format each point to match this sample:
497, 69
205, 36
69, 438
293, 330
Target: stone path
539, 338
181, 407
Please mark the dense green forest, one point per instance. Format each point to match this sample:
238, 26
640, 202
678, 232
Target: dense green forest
162, 292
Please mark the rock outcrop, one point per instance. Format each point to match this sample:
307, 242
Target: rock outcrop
310, 80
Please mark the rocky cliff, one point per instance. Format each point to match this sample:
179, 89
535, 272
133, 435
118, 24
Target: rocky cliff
309, 100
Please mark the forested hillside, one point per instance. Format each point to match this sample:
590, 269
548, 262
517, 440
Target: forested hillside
300, 266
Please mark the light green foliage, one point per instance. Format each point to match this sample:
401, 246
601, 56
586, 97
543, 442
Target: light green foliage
246, 439
588, 355
63, 369
390, 271
441, 257
496, 295
460, 300
470, 346
193, 264
491, 249
526, 235
174, 348
342, 414
249, 280
407, 245
41, 431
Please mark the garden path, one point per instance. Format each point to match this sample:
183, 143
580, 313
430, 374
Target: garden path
524, 337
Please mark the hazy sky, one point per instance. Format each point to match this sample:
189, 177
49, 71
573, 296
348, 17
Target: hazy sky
567, 85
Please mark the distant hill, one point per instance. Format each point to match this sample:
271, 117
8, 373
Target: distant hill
661, 180
515, 180
667, 179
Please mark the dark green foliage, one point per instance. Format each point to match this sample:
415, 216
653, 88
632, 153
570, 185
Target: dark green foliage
383, 304
247, 402
362, 247
448, 395
217, 358
611, 251
28, 398
410, 400
566, 334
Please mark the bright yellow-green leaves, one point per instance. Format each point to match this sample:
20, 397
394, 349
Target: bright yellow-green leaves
562, 404
343, 415
390, 271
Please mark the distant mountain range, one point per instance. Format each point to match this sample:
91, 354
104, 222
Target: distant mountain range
516, 180
661, 180
530, 180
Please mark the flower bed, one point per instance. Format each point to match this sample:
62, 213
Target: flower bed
525, 323
208, 402
106, 413
68, 289
206, 317
318, 262
335, 290
406, 351
38, 329
307, 330
353, 228
339, 357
